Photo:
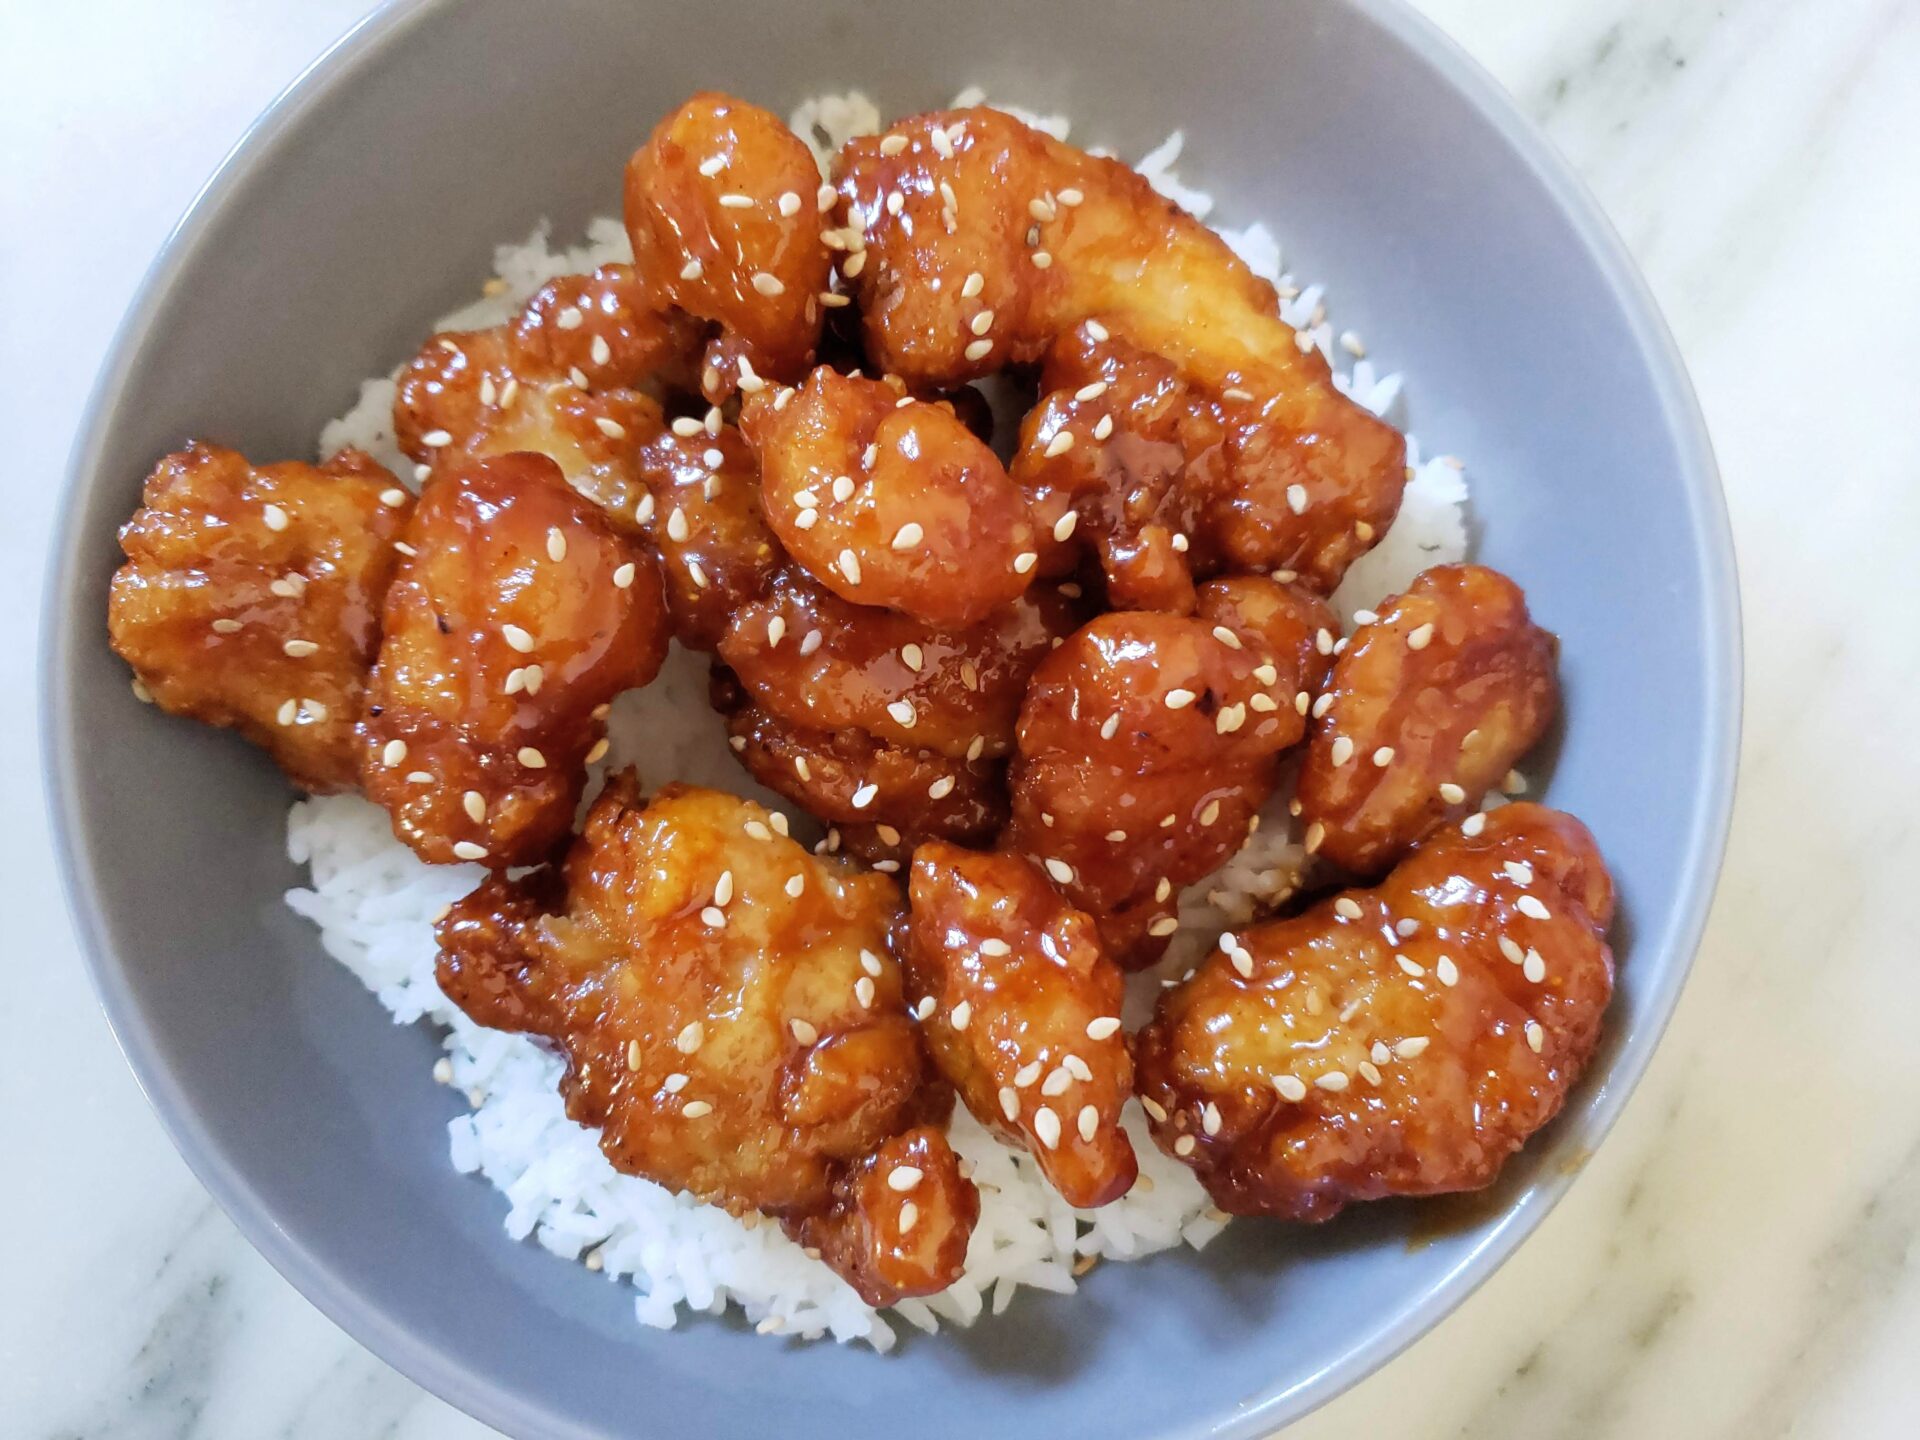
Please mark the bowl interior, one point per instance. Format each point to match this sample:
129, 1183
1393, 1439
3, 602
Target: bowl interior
369, 201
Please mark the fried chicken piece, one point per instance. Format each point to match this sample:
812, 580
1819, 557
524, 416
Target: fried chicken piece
1429, 707
1403, 1040
570, 378
251, 598
732, 1022
1022, 1014
885, 799
518, 614
1004, 239
702, 512
1147, 745
815, 660
900, 1219
889, 501
723, 207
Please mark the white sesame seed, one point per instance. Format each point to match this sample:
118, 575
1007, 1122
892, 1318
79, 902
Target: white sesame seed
1009, 1102
517, 638
850, 566
1061, 872
1027, 1074
1291, 1087
677, 525
1534, 967
1323, 641
1347, 907
1334, 1080
863, 797
695, 1109
1342, 750
225, 626
1448, 972
1322, 705
690, 1037
1473, 824
924, 1008
1041, 209
1109, 726
854, 264
1211, 813
796, 885
1530, 906
1451, 793
1369, 1072
1164, 926
1184, 1146
598, 752
713, 917
578, 378
824, 197
691, 270
981, 323
768, 285
1510, 948
962, 1013
1024, 561
1102, 1027
1419, 637
1179, 699
1383, 757
532, 758
893, 144
1297, 499
467, 850
1046, 1126
1088, 1123
903, 1178
810, 642
994, 946
735, 201
600, 350
623, 577
863, 991
908, 536
1411, 1048
888, 836
276, 516
979, 349
1536, 1036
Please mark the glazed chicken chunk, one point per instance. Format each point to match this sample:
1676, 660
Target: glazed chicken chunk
733, 1024
882, 799
251, 598
723, 207
1148, 744
1403, 1040
890, 501
570, 378
1021, 1009
518, 614
702, 513
1429, 706
817, 660
977, 242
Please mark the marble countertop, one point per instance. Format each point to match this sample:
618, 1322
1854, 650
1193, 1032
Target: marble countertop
1742, 1259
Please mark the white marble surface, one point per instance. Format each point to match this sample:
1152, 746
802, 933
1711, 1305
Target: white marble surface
1741, 1260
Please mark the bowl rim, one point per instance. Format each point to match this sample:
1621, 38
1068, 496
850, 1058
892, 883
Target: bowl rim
483, 1397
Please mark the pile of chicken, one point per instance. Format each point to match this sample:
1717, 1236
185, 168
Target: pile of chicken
1032, 701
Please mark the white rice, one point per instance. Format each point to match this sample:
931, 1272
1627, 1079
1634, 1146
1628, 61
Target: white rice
374, 904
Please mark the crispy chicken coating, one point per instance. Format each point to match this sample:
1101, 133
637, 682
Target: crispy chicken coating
1147, 745
723, 207
980, 241
569, 378
1403, 1040
1022, 1014
1429, 706
251, 598
732, 1023
702, 512
815, 660
519, 613
900, 1219
890, 501
885, 799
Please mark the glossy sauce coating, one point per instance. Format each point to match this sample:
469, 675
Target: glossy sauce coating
570, 378
1025, 1014
251, 598
886, 798
951, 283
1147, 745
816, 660
723, 208
731, 1018
900, 1219
1431, 704
890, 501
702, 513
1403, 1040
520, 613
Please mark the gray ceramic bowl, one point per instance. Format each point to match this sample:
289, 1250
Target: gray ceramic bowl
368, 200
